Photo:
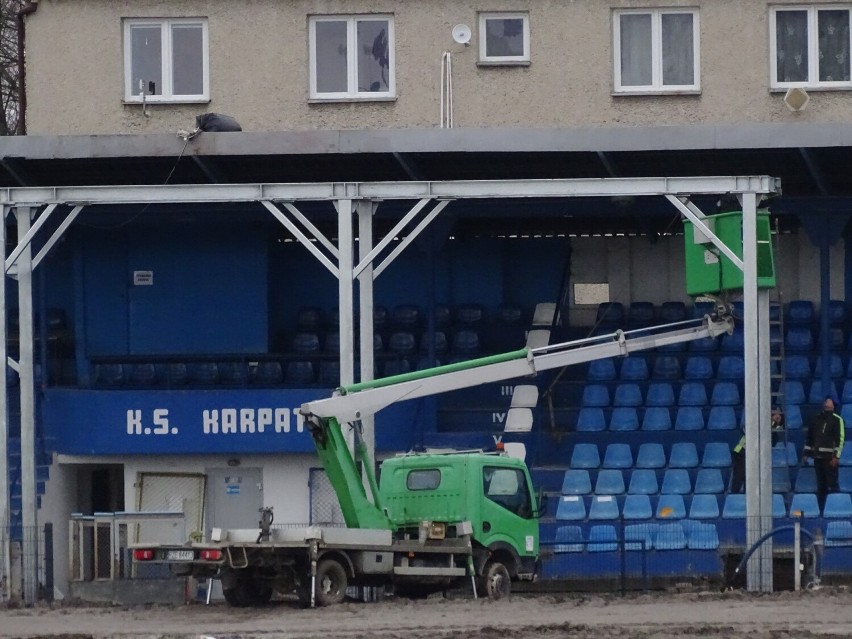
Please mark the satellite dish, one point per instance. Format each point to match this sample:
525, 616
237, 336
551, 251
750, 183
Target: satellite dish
461, 34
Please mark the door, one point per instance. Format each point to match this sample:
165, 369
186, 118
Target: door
234, 498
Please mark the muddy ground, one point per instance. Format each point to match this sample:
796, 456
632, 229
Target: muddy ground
823, 613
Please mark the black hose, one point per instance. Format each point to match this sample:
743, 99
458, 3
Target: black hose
760, 541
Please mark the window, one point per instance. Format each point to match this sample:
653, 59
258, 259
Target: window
810, 46
507, 487
428, 479
504, 38
167, 59
351, 57
656, 51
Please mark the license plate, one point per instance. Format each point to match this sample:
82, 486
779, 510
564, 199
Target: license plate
180, 555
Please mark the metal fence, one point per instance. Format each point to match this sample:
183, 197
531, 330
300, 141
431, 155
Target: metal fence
26, 563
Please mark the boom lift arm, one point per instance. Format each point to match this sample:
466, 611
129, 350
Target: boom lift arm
349, 404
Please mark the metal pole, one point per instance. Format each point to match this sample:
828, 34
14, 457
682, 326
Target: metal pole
365, 209
758, 454
797, 557
5, 542
345, 293
27, 377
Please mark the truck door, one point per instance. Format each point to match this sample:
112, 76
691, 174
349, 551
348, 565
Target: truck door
507, 509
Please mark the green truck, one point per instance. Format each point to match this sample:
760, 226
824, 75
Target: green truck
433, 520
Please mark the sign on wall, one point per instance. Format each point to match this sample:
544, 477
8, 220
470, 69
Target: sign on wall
88, 422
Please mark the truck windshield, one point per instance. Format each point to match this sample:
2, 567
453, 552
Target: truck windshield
507, 487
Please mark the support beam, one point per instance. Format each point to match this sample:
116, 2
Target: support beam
303, 239
366, 210
698, 219
5, 544
345, 295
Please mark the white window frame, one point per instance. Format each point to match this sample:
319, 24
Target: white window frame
352, 93
131, 94
657, 87
504, 59
813, 81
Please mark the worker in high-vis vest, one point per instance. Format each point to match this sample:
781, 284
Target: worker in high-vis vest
738, 455
824, 444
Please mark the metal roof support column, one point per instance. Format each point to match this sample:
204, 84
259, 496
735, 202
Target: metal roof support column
27, 386
366, 209
757, 407
5, 545
345, 294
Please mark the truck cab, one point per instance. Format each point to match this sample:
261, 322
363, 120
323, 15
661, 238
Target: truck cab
485, 495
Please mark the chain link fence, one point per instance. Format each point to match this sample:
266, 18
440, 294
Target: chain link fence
26, 563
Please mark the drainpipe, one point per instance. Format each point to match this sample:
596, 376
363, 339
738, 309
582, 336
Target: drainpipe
23, 12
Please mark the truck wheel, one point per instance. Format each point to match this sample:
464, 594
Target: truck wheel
234, 597
331, 583
496, 581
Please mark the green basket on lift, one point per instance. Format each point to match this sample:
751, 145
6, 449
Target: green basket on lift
709, 271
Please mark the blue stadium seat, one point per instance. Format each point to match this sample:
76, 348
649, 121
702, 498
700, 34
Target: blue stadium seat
837, 506
731, 367
643, 481
595, 395
702, 536
610, 314
509, 315
692, 394
846, 394
233, 373
725, 394
402, 343
109, 374
618, 455
466, 343
837, 312
309, 318
571, 508
650, 455
800, 313
799, 339
601, 370
306, 342
698, 367
329, 373
689, 418
671, 507
298, 372
610, 482
797, 367
603, 507
406, 317
722, 418
779, 508
623, 419
716, 455
709, 481
634, 369
640, 315
818, 393
683, 455
806, 480
835, 366
670, 537
806, 504
794, 392
591, 420
671, 312
704, 506
793, 417
142, 374
380, 317
585, 456
470, 314
602, 538
442, 315
203, 373
735, 506
704, 345
836, 339
666, 367
637, 506
844, 478
781, 479
398, 366
640, 536
657, 419
838, 533
576, 482
174, 374
660, 394
436, 340
569, 539
627, 394
846, 455
676, 482
735, 342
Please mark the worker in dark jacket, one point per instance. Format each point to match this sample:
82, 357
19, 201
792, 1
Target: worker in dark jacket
824, 444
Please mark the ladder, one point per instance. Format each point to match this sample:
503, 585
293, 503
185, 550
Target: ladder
777, 357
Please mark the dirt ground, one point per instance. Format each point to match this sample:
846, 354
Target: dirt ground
823, 613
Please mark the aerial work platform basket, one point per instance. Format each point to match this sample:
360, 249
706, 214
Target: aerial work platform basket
709, 271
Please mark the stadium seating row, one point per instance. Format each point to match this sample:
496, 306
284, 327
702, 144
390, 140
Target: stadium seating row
660, 418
